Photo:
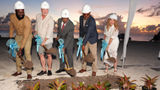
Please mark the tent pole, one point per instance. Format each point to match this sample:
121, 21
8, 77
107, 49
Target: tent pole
131, 13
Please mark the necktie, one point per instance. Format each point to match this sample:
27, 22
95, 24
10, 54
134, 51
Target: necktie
62, 27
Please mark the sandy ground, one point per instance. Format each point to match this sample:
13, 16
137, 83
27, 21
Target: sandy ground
141, 57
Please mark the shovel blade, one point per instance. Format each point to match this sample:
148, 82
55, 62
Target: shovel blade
110, 61
52, 51
89, 58
71, 72
28, 64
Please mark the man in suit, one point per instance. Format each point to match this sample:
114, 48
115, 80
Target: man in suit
89, 34
65, 32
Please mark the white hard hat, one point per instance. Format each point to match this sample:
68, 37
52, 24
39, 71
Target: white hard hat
113, 16
86, 9
44, 5
19, 5
65, 13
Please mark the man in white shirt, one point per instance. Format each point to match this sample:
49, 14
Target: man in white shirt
44, 28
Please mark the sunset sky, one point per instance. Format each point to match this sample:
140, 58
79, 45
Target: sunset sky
100, 8
148, 11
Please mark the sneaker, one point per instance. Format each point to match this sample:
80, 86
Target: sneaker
41, 73
49, 73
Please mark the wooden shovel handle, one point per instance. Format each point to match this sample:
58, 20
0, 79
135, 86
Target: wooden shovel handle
21, 59
108, 54
66, 60
84, 53
45, 47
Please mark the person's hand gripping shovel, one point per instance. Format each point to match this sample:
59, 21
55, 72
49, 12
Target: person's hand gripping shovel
12, 44
87, 58
52, 51
70, 71
26, 63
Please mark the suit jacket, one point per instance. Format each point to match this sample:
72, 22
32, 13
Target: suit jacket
89, 31
68, 33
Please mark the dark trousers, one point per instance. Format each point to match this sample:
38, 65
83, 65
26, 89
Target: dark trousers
69, 56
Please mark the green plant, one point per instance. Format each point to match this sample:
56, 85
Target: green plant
80, 87
35, 87
91, 87
107, 85
99, 86
57, 85
150, 82
103, 86
125, 83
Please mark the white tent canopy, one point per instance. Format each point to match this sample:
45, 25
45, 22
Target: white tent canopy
131, 13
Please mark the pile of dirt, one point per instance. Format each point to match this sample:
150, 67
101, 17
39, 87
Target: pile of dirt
44, 83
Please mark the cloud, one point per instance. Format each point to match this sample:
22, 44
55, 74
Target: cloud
153, 10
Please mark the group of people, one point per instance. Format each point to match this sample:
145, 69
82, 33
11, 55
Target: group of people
44, 28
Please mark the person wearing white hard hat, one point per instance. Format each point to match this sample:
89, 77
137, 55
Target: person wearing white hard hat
111, 37
66, 32
88, 32
22, 25
44, 28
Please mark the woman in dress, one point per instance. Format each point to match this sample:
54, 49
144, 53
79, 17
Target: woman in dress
111, 37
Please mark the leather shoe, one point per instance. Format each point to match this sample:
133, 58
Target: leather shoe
60, 70
16, 73
49, 73
82, 70
29, 76
41, 73
93, 73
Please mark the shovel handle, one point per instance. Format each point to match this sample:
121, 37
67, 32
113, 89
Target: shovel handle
45, 48
66, 61
21, 59
108, 54
84, 53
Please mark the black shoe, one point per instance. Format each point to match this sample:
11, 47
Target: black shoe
49, 73
29, 76
41, 73
60, 70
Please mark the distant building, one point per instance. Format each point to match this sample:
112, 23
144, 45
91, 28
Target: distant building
5, 33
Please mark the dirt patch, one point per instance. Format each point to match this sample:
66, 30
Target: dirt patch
69, 80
